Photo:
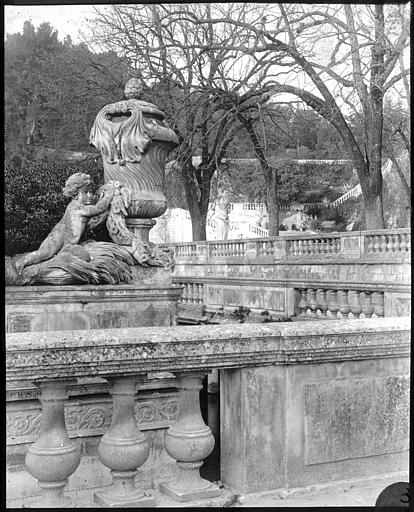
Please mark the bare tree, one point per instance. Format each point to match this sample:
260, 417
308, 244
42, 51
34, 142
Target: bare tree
346, 58
185, 59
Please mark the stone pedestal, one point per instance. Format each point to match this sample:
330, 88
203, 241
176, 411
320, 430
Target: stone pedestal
140, 228
53, 457
123, 449
189, 442
302, 424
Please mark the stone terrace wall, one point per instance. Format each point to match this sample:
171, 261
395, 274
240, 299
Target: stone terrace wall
301, 403
351, 272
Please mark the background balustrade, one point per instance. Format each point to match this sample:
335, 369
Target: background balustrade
192, 293
390, 242
380, 243
328, 303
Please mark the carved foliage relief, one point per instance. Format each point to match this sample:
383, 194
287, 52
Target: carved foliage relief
88, 418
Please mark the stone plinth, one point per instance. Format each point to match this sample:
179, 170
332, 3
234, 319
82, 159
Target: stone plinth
59, 308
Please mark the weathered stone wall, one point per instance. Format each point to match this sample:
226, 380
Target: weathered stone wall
301, 403
307, 424
267, 274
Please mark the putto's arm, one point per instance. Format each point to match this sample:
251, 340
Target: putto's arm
102, 205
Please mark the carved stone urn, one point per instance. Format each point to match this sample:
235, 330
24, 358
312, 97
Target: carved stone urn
134, 141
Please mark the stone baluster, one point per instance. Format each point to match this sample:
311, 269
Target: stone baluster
323, 304
311, 246
303, 303
389, 243
270, 249
299, 246
371, 245
367, 307
377, 244
185, 293
344, 307
378, 304
305, 247
53, 457
383, 243
333, 305
403, 243
331, 247
356, 309
189, 442
408, 248
321, 247
296, 248
313, 303
396, 243
123, 449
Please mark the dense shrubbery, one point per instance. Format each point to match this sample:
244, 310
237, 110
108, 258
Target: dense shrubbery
33, 199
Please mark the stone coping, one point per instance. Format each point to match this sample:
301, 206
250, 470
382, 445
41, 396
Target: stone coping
95, 293
311, 259
299, 236
333, 284
62, 355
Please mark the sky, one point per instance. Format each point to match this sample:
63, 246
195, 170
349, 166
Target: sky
66, 19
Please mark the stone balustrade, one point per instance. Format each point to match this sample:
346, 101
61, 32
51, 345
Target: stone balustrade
226, 249
192, 293
325, 303
270, 274
371, 355
387, 243
349, 245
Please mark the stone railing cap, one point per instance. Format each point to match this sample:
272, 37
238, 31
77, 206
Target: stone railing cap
68, 354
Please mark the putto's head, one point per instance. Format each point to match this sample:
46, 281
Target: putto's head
79, 185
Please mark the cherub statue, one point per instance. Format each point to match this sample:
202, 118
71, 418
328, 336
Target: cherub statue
65, 258
69, 230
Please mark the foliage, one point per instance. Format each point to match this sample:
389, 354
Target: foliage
53, 89
34, 202
240, 314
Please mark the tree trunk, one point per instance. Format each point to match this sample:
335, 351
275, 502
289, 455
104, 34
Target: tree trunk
272, 202
374, 215
199, 228
372, 195
270, 176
